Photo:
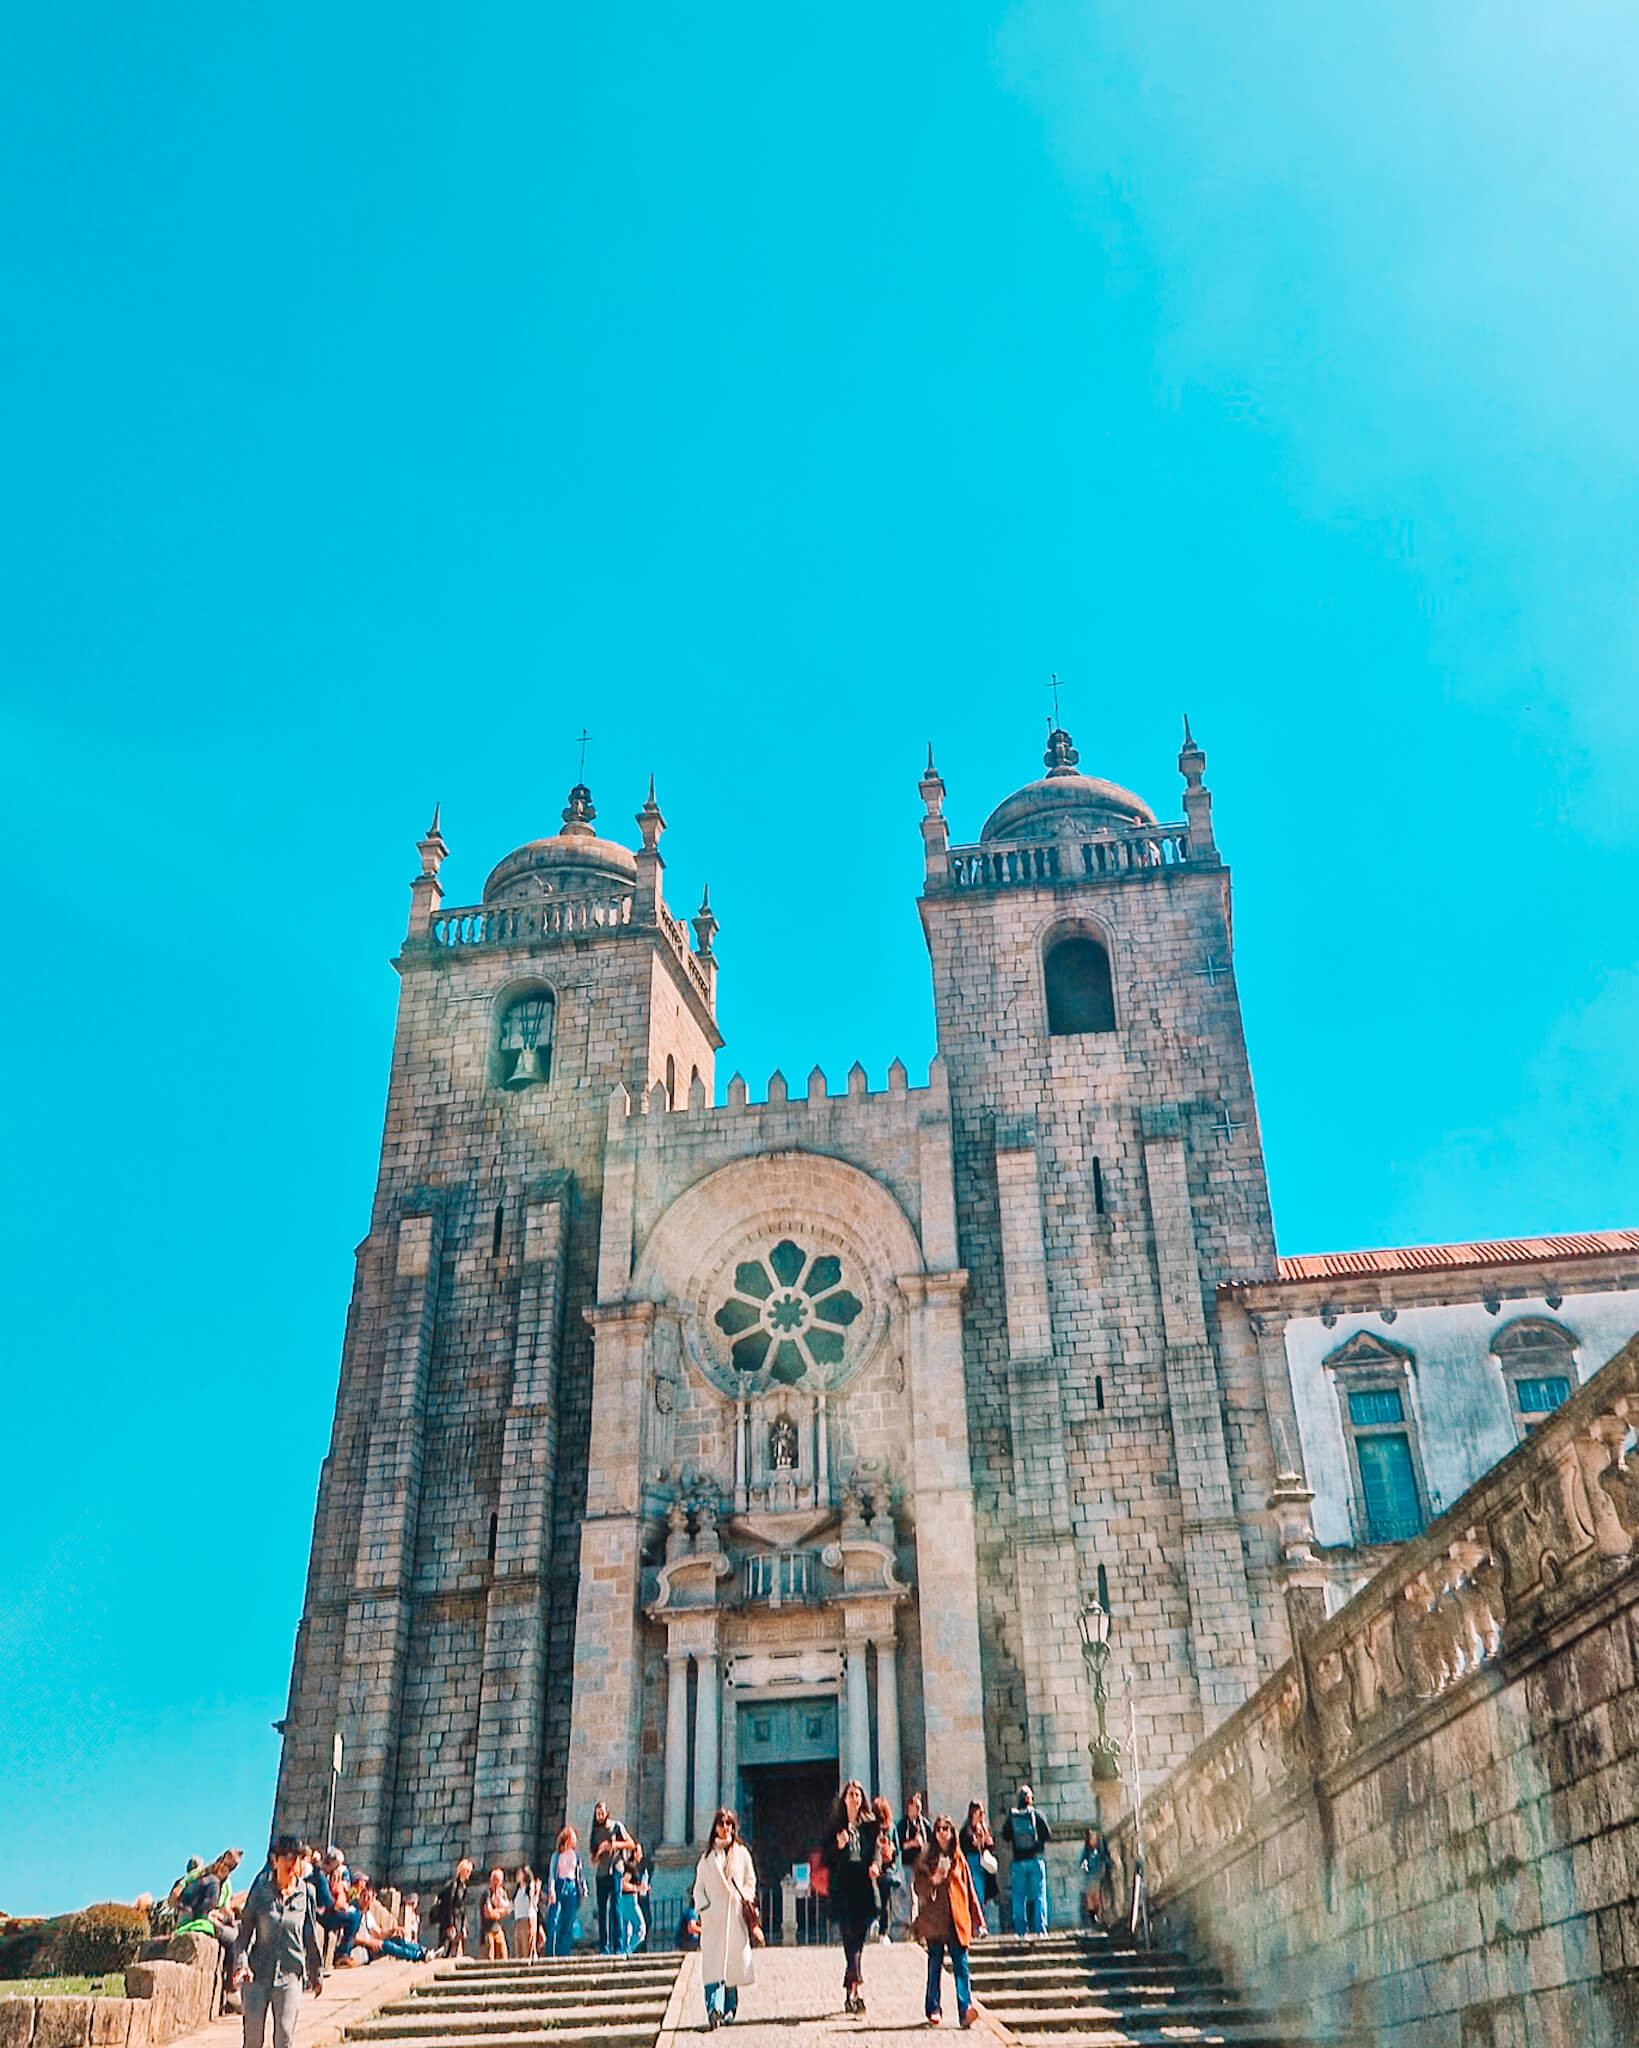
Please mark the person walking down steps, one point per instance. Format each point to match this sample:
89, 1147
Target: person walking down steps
724, 1880
853, 1861
1028, 1835
949, 1916
278, 1947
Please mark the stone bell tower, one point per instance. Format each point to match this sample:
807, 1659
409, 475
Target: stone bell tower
437, 1633
1108, 1176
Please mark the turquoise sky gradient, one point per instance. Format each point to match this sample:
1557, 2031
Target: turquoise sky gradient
390, 391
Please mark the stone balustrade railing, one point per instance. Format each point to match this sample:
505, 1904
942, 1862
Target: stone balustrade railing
523, 924
1139, 851
516, 924
1540, 1537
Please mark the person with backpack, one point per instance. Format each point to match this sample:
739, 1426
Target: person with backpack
1028, 1835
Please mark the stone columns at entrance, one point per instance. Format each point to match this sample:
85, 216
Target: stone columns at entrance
947, 1565
888, 1776
677, 1747
705, 1747
858, 1736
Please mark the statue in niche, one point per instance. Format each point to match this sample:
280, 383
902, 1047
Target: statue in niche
782, 1444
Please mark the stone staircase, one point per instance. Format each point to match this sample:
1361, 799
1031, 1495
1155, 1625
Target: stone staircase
1097, 1991
581, 2001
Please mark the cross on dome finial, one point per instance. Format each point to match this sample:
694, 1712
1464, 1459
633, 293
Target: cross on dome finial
1061, 756
579, 812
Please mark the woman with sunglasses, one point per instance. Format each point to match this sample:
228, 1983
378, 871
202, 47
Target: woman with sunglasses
948, 1916
724, 1880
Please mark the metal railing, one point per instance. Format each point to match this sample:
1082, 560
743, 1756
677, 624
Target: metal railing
780, 1576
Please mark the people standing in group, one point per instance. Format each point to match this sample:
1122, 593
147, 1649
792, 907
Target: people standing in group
526, 1907
494, 1911
889, 1877
725, 1879
853, 1866
979, 1847
911, 1838
278, 1949
1098, 1888
949, 1917
1028, 1834
568, 1892
449, 1913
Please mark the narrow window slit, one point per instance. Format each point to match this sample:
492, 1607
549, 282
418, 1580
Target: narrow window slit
495, 1234
1098, 1189
1103, 1589
494, 1531
1098, 1391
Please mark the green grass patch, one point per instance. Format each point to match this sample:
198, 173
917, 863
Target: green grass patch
110, 1986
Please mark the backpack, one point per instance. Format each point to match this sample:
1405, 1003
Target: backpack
1022, 1832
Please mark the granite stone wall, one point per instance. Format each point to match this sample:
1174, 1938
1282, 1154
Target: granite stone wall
1423, 1832
1106, 1427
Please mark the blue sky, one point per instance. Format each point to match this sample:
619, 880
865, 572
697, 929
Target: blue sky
391, 391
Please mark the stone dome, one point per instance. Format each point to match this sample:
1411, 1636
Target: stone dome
572, 862
1064, 801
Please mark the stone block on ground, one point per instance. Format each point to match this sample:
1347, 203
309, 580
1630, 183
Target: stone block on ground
110, 2022
16, 2022
62, 2022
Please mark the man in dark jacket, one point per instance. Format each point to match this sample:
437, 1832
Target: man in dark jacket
277, 1948
450, 1910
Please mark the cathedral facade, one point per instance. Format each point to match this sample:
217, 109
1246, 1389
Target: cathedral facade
691, 1451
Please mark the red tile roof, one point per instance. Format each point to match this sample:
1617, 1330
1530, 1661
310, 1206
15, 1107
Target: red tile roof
1423, 1258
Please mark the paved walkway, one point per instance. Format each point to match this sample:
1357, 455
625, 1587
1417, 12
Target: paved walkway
796, 2002
348, 1995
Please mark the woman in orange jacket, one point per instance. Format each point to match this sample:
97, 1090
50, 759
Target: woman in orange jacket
948, 1916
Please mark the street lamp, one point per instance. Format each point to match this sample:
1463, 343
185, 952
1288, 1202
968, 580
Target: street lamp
1104, 1749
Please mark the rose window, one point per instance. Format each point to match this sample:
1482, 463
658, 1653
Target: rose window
788, 1313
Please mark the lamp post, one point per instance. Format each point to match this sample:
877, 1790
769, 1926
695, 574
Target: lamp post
1104, 1749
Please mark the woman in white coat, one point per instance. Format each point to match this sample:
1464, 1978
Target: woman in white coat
725, 1878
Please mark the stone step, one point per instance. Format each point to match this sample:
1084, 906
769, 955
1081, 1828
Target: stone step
554, 1966
1088, 1969
428, 2026
1113, 2011
534, 1994
1071, 2029
444, 1988
562, 2030
1052, 1984
1161, 2035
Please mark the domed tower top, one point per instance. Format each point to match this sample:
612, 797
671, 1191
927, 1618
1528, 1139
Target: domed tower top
574, 859
1065, 801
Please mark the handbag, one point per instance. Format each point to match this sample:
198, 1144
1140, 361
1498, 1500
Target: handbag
751, 1914
987, 1862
